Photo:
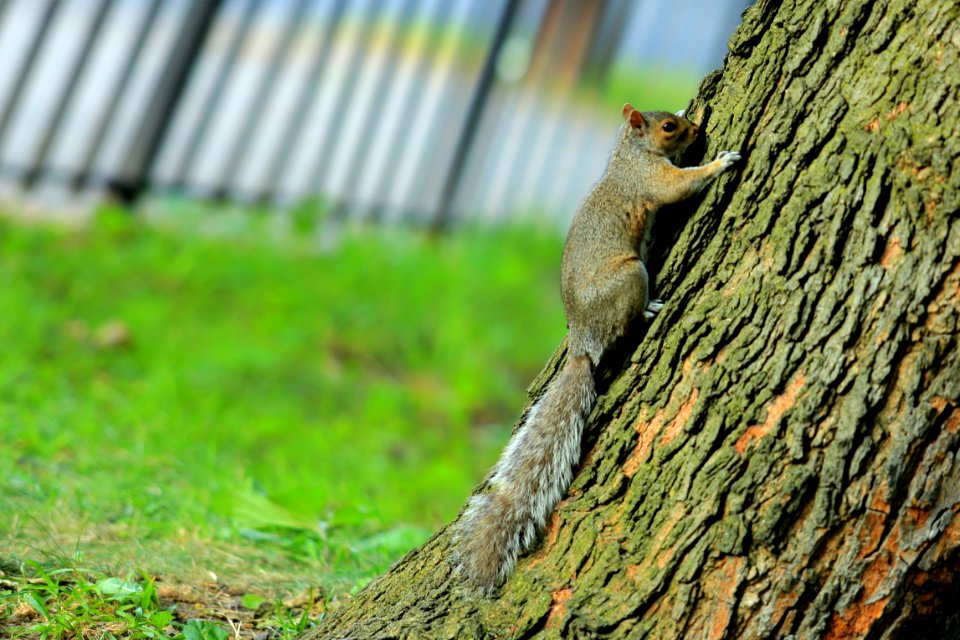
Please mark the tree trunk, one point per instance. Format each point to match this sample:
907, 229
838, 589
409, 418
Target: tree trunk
777, 455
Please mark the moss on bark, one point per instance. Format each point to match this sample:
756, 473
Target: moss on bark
777, 456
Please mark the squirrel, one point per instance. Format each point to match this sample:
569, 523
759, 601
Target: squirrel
605, 288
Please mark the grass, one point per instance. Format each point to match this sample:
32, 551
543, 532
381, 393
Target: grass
648, 89
241, 414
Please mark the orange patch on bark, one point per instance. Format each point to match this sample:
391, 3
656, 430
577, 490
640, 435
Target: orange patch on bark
589, 457
952, 425
664, 556
775, 411
939, 403
874, 522
879, 501
871, 532
879, 567
657, 554
676, 425
918, 515
553, 528
858, 619
558, 609
648, 431
782, 607
874, 124
550, 533
892, 253
897, 110
725, 587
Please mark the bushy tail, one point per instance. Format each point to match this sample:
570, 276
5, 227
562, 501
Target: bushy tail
533, 473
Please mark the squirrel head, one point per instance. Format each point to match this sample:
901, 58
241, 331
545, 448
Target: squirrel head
658, 131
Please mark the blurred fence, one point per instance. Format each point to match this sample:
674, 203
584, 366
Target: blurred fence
424, 110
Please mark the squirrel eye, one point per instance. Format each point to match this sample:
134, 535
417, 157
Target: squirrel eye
669, 126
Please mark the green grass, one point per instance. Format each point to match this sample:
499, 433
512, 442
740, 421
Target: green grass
67, 603
649, 89
243, 409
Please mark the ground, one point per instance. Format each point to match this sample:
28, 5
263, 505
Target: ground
206, 418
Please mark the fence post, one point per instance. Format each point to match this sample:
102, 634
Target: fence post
36, 167
474, 113
342, 102
41, 34
135, 168
254, 112
280, 158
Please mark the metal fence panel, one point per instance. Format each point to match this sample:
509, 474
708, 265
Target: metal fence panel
431, 111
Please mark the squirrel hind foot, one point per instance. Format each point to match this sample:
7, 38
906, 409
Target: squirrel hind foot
653, 308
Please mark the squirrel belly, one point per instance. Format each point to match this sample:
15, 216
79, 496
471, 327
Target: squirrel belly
532, 475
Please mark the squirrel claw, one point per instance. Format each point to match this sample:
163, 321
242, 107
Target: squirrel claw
728, 157
653, 308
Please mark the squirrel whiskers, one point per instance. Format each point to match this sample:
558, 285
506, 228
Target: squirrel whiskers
605, 288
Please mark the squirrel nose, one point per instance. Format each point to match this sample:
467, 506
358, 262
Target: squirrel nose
695, 130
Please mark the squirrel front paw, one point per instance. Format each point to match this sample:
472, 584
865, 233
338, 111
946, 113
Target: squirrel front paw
727, 158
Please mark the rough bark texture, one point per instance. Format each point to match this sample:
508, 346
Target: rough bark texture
777, 456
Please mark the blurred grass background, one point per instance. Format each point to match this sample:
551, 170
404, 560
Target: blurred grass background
163, 391
255, 400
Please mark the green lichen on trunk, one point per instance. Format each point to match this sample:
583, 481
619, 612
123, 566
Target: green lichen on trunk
778, 454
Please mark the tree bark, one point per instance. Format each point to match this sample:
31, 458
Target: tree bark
777, 456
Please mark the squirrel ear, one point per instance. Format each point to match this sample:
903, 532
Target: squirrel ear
634, 117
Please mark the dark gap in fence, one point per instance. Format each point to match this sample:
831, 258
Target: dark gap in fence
563, 58
478, 101
141, 154
429, 158
438, 144
83, 174
214, 95
475, 184
607, 40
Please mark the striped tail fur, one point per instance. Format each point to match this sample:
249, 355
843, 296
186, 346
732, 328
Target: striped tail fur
532, 475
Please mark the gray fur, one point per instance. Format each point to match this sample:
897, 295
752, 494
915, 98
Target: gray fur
532, 475
605, 288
